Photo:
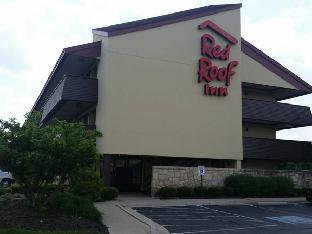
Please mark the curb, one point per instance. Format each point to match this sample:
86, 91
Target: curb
267, 203
154, 227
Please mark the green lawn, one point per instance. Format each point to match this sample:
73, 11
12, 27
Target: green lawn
22, 231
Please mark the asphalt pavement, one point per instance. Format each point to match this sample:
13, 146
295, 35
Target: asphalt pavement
201, 219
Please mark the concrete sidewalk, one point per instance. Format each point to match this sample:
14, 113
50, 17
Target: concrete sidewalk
120, 218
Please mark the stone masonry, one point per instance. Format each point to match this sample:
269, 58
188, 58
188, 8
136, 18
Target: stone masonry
188, 176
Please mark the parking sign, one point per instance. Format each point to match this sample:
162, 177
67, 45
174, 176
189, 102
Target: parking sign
201, 170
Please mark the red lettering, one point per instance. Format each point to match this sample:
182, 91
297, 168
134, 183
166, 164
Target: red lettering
215, 91
216, 51
213, 72
204, 65
207, 43
222, 74
210, 49
225, 53
230, 72
222, 91
207, 71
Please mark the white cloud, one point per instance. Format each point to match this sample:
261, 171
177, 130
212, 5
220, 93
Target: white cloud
33, 34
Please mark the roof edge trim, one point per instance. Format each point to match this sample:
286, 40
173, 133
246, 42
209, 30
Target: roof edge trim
274, 66
158, 21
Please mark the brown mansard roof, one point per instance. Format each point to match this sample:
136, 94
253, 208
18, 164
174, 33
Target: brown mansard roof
275, 149
88, 51
275, 67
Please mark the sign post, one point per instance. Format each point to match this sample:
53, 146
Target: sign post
201, 172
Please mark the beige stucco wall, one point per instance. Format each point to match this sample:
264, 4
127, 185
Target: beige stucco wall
254, 72
150, 102
258, 130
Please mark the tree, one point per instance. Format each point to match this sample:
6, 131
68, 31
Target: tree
40, 156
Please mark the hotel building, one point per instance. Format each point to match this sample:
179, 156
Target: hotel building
183, 89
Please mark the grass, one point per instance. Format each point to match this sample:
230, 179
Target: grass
23, 231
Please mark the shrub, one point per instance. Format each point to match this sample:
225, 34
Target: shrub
16, 189
295, 166
37, 156
72, 205
167, 192
86, 183
9, 196
2, 191
285, 186
200, 191
214, 191
12, 190
109, 193
250, 186
288, 166
299, 192
242, 185
267, 186
184, 192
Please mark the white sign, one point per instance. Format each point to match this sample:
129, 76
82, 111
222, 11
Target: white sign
201, 170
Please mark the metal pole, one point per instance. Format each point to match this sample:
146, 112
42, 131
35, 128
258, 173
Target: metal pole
201, 180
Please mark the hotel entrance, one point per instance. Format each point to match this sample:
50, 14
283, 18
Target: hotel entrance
127, 174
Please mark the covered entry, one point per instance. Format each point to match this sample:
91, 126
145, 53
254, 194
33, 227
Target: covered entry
127, 174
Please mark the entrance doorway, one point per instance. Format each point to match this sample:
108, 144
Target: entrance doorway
127, 174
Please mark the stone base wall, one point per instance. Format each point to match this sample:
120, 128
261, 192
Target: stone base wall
188, 176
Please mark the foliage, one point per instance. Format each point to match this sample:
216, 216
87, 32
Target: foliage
9, 196
299, 192
40, 156
167, 192
285, 186
242, 185
15, 189
215, 191
306, 165
12, 190
251, 186
86, 183
72, 205
109, 193
5, 191
200, 191
267, 186
184, 192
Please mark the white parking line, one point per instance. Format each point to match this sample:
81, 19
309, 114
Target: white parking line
206, 216
207, 213
202, 219
243, 216
227, 229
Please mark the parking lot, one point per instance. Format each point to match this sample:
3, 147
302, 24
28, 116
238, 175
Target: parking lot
292, 218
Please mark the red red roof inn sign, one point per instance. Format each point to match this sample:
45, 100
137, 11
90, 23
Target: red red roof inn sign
211, 50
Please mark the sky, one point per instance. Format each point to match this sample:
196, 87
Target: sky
33, 33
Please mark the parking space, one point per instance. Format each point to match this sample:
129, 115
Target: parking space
294, 218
